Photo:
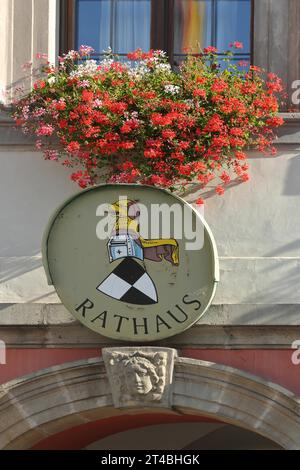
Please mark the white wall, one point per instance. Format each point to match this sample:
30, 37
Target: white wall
256, 226
30, 190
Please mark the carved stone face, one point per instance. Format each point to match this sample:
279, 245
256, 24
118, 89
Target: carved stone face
138, 381
139, 376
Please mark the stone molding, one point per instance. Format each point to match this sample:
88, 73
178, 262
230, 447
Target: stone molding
196, 337
52, 400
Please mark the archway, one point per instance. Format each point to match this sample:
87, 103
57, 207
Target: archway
40, 405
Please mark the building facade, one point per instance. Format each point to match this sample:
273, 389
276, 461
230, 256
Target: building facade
236, 372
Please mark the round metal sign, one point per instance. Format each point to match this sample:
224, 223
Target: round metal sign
131, 262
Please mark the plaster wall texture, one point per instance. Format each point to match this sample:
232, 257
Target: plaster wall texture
255, 225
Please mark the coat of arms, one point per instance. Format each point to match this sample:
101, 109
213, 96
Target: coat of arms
129, 281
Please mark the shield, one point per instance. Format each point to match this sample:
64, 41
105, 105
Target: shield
130, 283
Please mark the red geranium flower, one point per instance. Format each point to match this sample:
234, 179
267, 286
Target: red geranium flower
237, 45
150, 124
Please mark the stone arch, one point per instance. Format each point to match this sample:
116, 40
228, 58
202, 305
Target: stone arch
42, 404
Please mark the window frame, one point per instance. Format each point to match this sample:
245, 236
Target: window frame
67, 26
162, 29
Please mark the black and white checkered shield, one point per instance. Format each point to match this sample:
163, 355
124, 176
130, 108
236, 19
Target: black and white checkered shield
130, 283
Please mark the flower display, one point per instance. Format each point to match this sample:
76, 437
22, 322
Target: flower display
141, 121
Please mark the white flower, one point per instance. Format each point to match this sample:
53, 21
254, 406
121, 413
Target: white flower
189, 102
73, 55
173, 89
107, 51
106, 62
159, 53
89, 67
97, 103
139, 71
163, 67
51, 80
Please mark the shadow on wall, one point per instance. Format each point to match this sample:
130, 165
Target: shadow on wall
287, 281
16, 266
210, 192
185, 436
276, 289
291, 247
292, 183
30, 190
232, 438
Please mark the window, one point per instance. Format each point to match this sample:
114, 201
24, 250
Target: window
122, 25
171, 25
202, 23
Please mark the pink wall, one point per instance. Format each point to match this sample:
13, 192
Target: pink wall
25, 361
273, 365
